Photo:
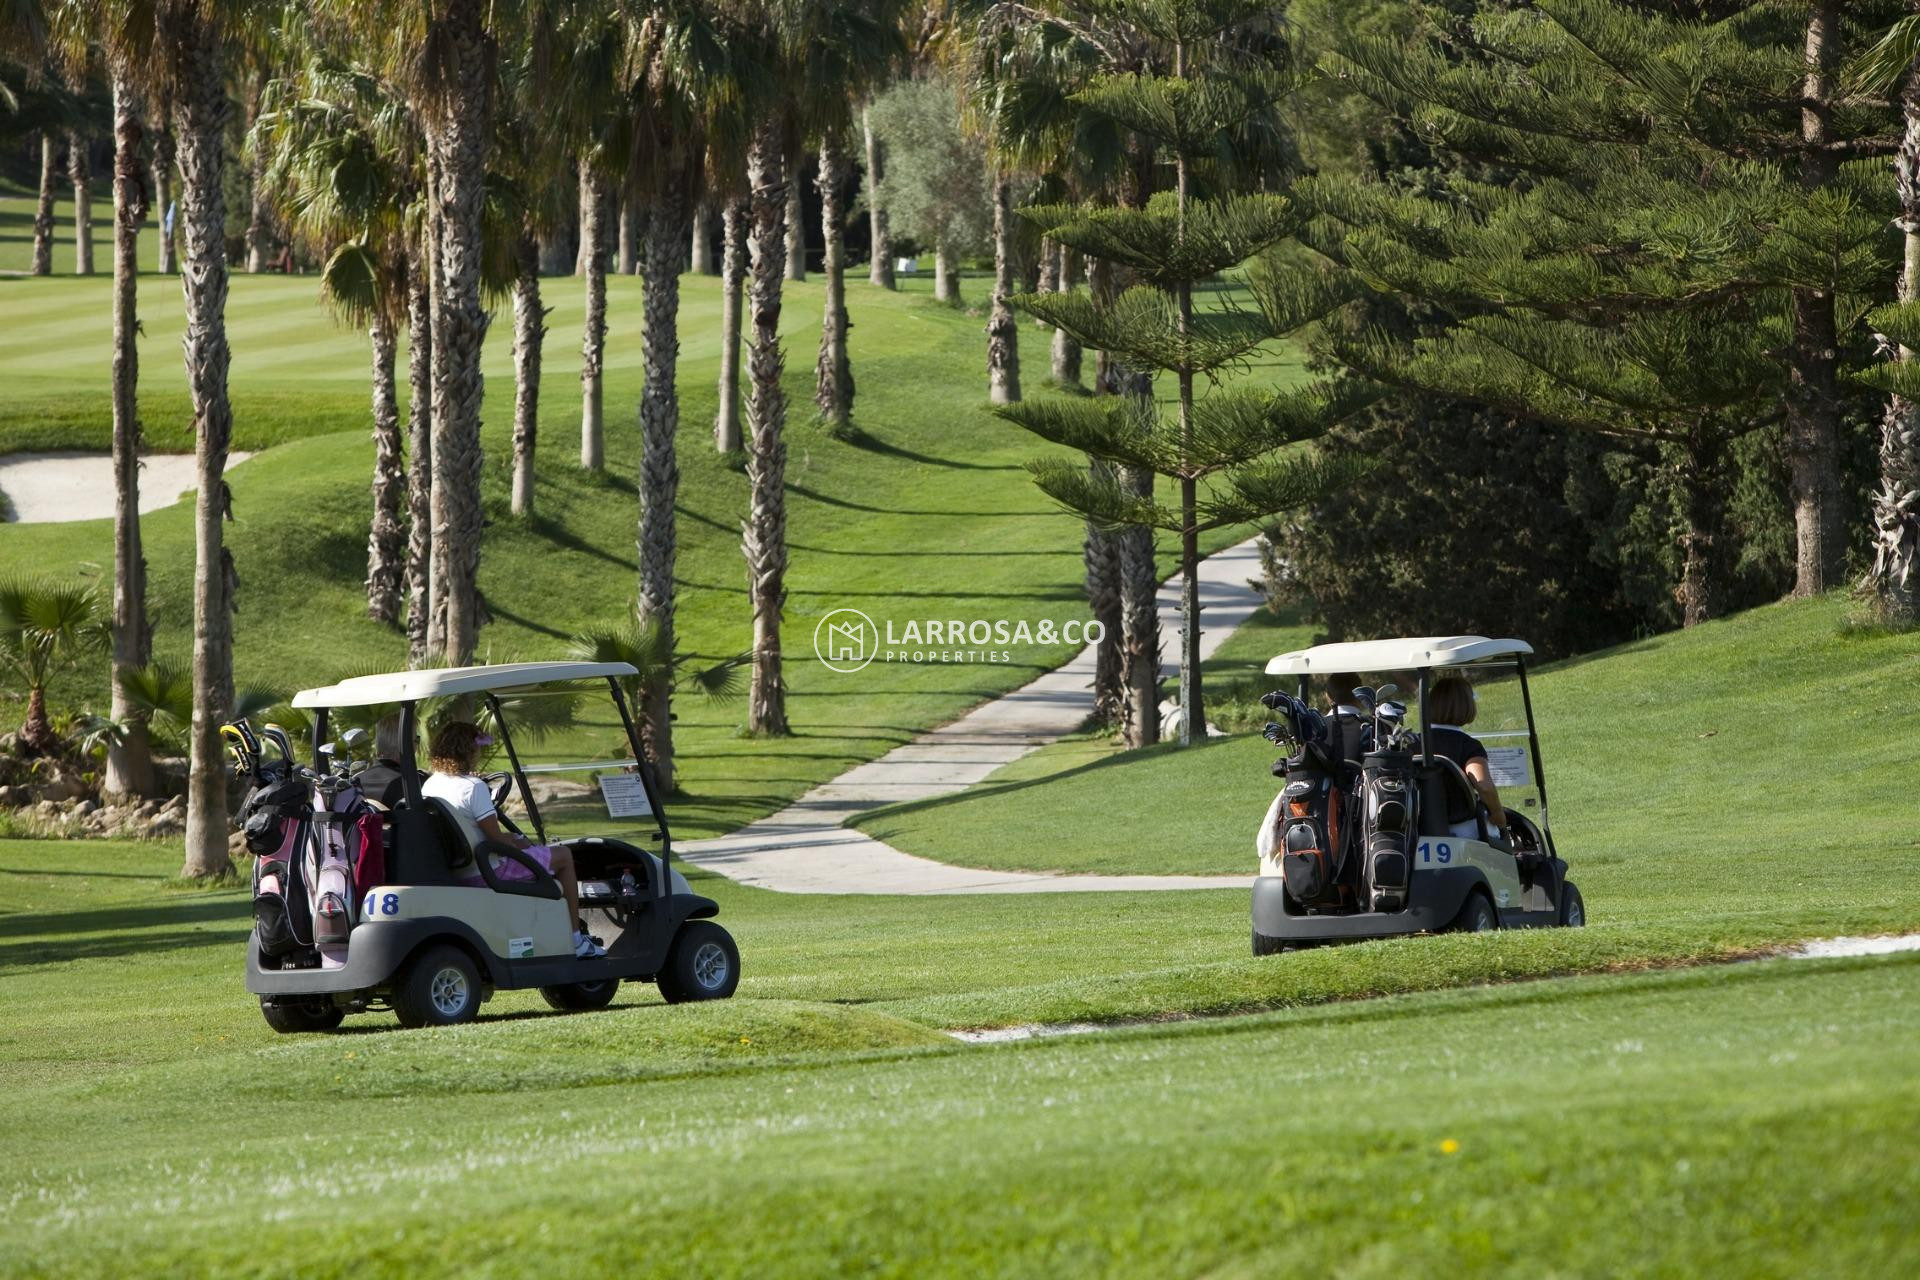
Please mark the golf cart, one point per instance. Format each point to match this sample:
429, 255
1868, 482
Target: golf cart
1374, 834
431, 924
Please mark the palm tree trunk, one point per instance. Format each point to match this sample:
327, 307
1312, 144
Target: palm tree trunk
582, 204
130, 760
43, 211
37, 737
1193, 704
1003, 331
191, 44
629, 234
946, 275
700, 252
419, 450
1896, 505
529, 332
880, 266
163, 183
1101, 556
1066, 351
387, 539
1047, 274
593, 342
833, 374
733, 271
1139, 657
796, 224
1813, 401
457, 133
259, 202
659, 468
80, 173
765, 530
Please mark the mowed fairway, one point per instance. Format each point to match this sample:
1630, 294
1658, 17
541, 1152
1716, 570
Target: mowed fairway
1755, 1120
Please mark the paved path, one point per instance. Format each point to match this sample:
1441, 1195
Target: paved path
804, 848
50, 487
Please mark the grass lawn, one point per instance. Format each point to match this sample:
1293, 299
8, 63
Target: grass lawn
1753, 1120
928, 514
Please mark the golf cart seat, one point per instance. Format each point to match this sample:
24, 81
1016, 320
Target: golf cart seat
1450, 798
464, 849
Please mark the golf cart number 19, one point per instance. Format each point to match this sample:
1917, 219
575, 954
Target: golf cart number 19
381, 904
1433, 853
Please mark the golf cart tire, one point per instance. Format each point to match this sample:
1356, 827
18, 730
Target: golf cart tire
702, 964
581, 997
1476, 915
296, 1017
1573, 908
440, 987
1265, 946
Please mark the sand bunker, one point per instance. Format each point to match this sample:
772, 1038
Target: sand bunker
46, 487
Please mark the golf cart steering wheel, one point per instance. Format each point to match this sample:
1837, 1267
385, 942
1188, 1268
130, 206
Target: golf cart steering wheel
501, 786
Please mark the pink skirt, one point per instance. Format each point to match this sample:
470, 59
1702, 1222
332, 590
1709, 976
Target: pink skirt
510, 870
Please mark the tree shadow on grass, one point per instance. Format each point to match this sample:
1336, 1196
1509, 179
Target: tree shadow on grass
154, 876
176, 910
107, 946
869, 443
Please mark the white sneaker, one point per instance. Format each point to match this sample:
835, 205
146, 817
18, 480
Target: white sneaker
585, 948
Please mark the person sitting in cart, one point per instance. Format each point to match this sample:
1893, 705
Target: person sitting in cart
1452, 704
452, 752
1349, 721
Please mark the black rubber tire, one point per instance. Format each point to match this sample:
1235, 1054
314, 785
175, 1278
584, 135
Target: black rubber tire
414, 995
1573, 908
692, 972
1265, 946
308, 1015
1476, 915
581, 997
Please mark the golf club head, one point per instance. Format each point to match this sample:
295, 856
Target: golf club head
278, 737
1386, 690
1273, 701
352, 739
1363, 698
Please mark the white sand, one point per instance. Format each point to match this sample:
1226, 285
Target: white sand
48, 487
1826, 947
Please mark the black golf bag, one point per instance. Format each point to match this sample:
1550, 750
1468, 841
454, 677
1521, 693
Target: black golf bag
1312, 845
274, 818
1388, 803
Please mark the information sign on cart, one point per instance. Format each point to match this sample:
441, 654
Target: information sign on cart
625, 794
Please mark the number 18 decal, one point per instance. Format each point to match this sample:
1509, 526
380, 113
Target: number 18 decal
381, 904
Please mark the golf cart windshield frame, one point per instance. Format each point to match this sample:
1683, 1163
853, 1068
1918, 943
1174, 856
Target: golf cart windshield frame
410, 778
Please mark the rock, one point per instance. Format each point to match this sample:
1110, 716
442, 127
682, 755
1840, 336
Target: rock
58, 788
147, 808
176, 805
7, 796
86, 807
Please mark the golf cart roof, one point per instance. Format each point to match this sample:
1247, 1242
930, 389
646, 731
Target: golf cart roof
411, 686
1410, 654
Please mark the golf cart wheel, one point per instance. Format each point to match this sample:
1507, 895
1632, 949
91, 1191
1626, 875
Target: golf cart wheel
440, 988
1476, 916
290, 1018
703, 964
1265, 946
1573, 908
579, 997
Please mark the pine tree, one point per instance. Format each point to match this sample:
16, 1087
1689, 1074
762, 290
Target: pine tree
1227, 439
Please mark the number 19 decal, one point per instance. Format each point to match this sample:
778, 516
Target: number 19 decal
1433, 853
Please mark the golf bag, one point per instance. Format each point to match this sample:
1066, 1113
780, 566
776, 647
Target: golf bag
1388, 800
273, 818
1312, 845
347, 850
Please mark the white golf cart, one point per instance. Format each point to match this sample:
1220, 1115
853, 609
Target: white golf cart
432, 948
1366, 839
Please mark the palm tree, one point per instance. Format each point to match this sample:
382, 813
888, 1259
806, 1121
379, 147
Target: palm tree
163, 151
341, 155
733, 274
880, 262
44, 624
80, 173
188, 37
1895, 61
660, 670
765, 530
1003, 330
43, 211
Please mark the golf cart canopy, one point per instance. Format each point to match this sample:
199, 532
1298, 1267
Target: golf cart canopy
1416, 653
411, 686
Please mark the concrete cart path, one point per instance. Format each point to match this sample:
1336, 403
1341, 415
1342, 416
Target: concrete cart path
805, 848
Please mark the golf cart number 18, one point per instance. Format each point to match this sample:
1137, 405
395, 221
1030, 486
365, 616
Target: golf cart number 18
1433, 853
381, 904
